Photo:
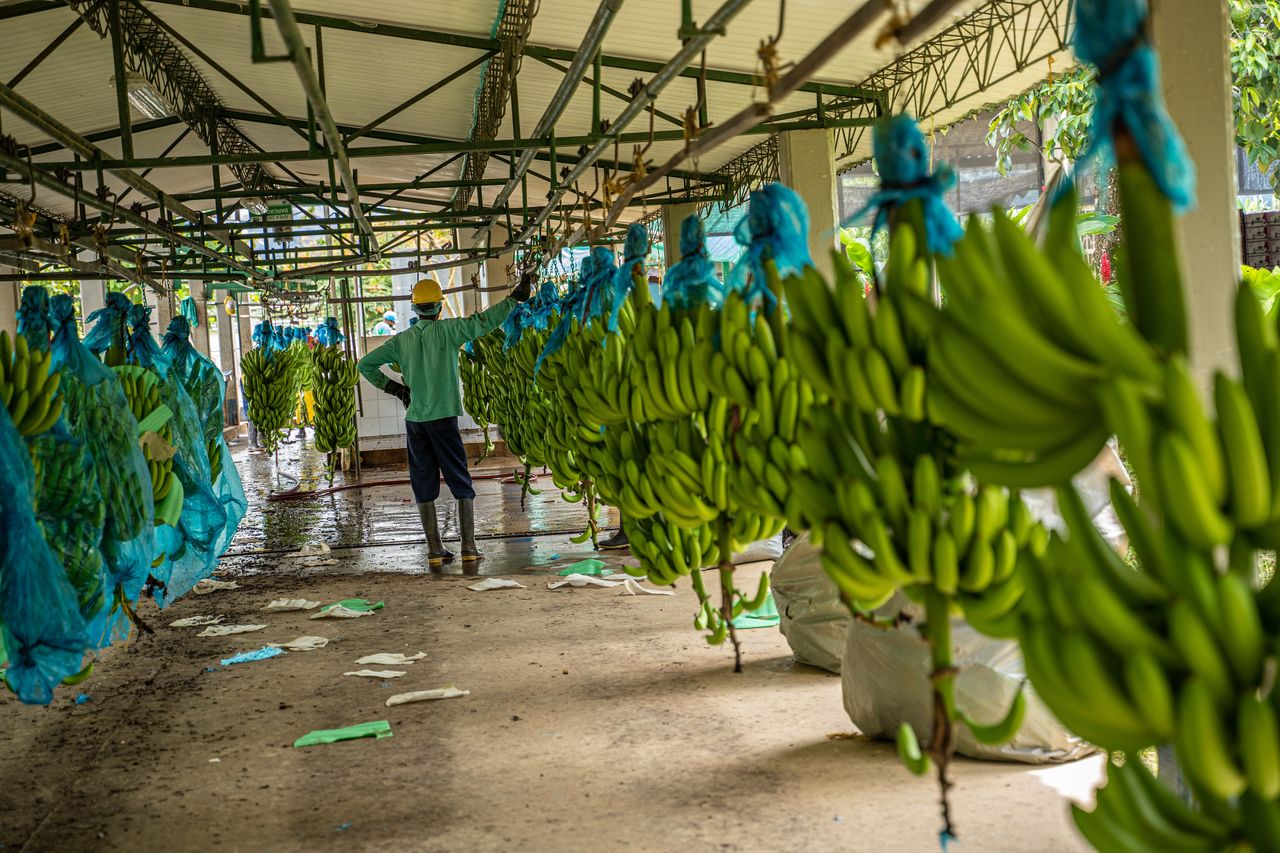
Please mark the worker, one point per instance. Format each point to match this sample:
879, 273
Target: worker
427, 354
387, 325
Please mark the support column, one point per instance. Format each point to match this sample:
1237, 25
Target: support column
200, 334
1192, 38
672, 216
469, 302
93, 292
495, 269
807, 164
227, 329
10, 298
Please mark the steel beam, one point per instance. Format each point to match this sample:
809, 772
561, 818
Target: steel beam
44, 54
408, 102
421, 34
297, 48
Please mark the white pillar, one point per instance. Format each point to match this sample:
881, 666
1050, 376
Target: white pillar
807, 164
1192, 39
672, 216
93, 292
10, 299
227, 329
469, 301
200, 334
495, 269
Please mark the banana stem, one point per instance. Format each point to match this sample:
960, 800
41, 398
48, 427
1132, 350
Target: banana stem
640, 285
777, 317
589, 488
725, 567
942, 741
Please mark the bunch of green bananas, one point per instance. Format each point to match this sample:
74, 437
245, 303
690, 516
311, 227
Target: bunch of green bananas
872, 360
269, 386
28, 389
72, 513
334, 378
478, 393
666, 356
91, 415
142, 390
300, 356
213, 447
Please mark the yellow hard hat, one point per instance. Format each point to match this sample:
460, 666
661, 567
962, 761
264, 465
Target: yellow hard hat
427, 290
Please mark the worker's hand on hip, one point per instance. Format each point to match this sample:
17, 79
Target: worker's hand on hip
525, 288
400, 392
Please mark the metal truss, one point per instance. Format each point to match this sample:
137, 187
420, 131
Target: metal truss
511, 33
152, 53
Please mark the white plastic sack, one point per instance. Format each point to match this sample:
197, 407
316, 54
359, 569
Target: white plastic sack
813, 618
764, 551
885, 681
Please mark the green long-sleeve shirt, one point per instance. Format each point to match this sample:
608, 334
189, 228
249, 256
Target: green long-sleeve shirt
427, 353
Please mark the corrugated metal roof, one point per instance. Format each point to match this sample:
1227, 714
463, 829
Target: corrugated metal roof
368, 74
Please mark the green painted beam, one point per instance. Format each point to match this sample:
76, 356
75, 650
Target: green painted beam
17, 10
450, 147
422, 34
284, 190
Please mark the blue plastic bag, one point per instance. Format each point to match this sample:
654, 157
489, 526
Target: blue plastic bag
43, 631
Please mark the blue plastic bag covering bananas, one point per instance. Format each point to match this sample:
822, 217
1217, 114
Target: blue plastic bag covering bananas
592, 296
776, 228
692, 281
97, 413
43, 632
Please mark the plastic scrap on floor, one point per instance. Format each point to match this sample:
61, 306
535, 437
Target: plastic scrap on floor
302, 644
585, 567
204, 586
354, 604
376, 673
311, 549
496, 583
313, 563
448, 692
225, 630
392, 658
82, 698
257, 654
282, 605
196, 621
377, 729
581, 581
630, 587
340, 612
764, 616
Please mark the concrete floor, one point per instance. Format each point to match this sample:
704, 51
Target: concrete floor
595, 721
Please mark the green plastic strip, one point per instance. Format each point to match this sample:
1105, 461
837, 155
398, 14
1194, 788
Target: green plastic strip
377, 729
353, 604
594, 568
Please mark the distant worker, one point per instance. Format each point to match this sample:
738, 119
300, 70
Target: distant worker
427, 353
387, 325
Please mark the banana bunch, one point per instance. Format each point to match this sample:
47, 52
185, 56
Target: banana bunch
71, 513
596, 386
478, 392
665, 357
299, 355
142, 390
334, 377
27, 386
1023, 349
873, 359
213, 447
269, 386
90, 414
1175, 653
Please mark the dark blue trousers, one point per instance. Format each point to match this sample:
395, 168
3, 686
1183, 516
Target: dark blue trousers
435, 447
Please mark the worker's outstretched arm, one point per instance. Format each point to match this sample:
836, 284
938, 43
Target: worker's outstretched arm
369, 366
463, 329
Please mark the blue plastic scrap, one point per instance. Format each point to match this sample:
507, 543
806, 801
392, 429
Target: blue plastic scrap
257, 654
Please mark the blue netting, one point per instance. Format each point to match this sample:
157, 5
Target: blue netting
328, 333
692, 281
33, 318
634, 251
584, 302
96, 412
902, 158
535, 314
194, 555
1112, 36
106, 328
777, 227
43, 631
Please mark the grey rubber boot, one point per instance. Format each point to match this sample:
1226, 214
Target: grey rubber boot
436, 553
467, 524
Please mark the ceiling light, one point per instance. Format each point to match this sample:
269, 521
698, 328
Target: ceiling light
143, 96
256, 206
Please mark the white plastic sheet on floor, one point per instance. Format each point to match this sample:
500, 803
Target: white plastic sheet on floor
885, 674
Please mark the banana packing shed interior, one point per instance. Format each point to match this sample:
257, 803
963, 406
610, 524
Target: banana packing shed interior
272, 159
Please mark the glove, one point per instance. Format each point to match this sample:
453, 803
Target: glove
400, 392
525, 288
